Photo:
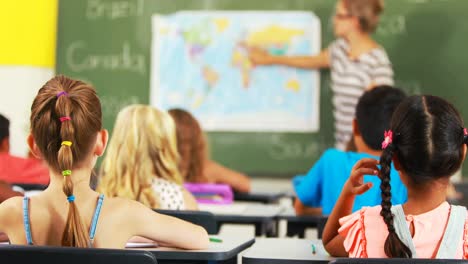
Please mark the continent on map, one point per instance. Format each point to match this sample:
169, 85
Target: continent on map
197, 38
275, 39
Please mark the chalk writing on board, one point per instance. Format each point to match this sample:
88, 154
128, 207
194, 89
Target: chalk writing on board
281, 149
112, 10
392, 25
80, 58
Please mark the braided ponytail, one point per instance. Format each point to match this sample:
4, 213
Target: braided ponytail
394, 247
74, 234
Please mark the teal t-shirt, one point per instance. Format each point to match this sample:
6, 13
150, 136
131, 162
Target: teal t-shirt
322, 185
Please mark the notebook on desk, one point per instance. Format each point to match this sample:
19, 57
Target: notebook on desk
141, 245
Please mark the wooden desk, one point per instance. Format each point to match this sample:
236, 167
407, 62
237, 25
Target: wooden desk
263, 216
225, 251
285, 251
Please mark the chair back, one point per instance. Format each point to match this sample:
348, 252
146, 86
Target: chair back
69, 255
204, 219
396, 261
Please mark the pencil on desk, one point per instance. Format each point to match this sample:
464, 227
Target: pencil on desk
216, 240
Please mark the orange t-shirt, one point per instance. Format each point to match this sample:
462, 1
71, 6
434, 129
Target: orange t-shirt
365, 233
23, 170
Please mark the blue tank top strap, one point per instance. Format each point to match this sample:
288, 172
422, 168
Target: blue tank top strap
27, 226
97, 211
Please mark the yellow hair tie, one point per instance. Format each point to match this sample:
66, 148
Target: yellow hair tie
67, 143
66, 172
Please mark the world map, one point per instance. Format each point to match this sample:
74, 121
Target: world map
200, 63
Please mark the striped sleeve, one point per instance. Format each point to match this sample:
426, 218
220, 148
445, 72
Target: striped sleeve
382, 72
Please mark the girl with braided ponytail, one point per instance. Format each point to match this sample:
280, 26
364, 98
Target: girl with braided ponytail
66, 131
427, 144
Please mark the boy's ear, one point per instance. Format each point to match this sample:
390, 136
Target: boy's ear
356, 130
33, 148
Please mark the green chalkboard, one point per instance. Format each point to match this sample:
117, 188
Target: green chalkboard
108, 43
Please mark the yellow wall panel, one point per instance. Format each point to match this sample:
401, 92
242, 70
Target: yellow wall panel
28, 32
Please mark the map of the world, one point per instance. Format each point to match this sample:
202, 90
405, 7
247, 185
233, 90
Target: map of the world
200, 63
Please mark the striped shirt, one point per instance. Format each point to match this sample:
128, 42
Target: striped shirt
349, 79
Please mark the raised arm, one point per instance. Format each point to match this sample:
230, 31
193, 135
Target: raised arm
219, 174
165, 230
332, 241
261, 57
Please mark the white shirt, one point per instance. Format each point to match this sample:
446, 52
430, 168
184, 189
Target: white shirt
169, 194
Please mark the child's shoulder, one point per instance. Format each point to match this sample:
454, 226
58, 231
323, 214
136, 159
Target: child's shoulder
338, 155
373, 211
333, 153
125, 206
11, 210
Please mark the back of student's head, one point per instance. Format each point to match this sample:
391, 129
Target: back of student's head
4, 129
427, 139
374, 112
67, 111
191, 145
367, 11
143, 146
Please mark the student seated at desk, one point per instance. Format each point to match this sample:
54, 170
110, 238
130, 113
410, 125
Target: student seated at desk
427, 143
195, 164
318, 191
141, 163
16, 169
66, 131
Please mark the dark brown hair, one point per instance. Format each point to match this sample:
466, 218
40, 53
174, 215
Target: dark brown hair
191, 144
428, 141
4, 128
81, 104
367, 11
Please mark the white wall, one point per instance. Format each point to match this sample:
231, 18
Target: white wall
19, 86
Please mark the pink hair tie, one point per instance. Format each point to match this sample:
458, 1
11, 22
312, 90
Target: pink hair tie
388, 139
62, 93
465, 132
65, 118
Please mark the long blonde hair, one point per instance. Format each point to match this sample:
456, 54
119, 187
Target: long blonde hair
143, 146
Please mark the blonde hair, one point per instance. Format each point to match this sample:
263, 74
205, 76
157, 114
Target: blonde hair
143, 146
367, 11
